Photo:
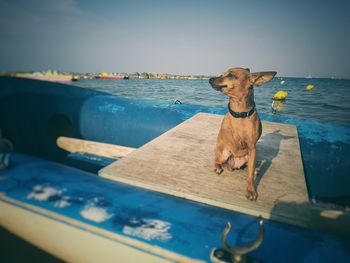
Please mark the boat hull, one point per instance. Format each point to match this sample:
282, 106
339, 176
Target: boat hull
44, 188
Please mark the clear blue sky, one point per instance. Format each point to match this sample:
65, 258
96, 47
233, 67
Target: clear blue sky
295, 38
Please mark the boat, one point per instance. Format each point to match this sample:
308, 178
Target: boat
52, 76
105, 75
54, 195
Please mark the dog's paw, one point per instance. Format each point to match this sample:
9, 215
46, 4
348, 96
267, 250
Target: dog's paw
251, 195
218, 170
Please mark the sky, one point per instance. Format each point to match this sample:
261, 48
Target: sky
294, 38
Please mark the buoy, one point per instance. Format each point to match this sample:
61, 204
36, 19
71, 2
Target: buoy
282, 82
280, 95
309, 87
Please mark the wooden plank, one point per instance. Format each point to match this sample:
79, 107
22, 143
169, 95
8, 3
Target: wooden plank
91, 147
180, 163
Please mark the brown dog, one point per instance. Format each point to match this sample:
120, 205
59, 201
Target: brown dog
241, 127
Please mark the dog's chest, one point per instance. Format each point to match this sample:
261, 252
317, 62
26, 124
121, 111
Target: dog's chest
241, 133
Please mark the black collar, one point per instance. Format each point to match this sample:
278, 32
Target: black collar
241, 114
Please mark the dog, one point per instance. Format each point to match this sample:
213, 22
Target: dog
241, 127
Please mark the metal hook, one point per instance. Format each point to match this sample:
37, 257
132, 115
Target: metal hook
5, 144
238, 253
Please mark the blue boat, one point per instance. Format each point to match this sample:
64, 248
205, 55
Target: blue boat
56, 201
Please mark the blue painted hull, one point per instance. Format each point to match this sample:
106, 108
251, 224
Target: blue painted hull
32, 114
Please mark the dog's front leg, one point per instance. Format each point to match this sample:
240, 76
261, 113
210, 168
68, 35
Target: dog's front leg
218, 161
221, 156
251, 193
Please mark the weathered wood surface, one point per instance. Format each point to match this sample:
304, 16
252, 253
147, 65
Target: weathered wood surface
91, 147
180, 163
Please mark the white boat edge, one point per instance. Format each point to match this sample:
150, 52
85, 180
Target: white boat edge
75, 241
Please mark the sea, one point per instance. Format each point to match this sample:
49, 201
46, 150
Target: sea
327, 102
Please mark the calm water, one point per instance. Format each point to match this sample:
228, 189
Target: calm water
329, 101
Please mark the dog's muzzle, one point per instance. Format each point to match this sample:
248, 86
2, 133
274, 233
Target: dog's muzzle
214, 86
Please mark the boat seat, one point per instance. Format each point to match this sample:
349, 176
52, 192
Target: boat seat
89, 155
91, 147
88, 162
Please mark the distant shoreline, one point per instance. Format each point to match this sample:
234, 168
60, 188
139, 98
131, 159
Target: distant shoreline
137, 75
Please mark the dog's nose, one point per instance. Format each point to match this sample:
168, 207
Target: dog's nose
211, 80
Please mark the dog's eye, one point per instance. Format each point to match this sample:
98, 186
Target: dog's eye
231, 75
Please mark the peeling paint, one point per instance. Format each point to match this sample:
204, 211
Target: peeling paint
95, 213
148, 229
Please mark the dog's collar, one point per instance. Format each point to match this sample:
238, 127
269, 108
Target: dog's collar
241, 114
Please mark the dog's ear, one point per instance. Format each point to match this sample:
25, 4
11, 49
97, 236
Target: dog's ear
260, 78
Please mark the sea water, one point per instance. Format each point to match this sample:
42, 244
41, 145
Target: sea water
328, 101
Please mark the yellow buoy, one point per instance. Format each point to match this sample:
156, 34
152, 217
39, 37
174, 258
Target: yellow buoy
280, 95
309, 87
